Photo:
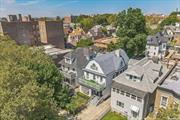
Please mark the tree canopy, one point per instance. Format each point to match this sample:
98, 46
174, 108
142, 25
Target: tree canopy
84, 43
132, 31
30, 84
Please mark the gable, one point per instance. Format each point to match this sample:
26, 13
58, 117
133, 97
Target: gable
94, 66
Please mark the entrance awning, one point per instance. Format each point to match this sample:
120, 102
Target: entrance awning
134, 108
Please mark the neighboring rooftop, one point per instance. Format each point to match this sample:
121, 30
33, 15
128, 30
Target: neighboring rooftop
112, 61
172, 83
157, 40
147, 71
52, 50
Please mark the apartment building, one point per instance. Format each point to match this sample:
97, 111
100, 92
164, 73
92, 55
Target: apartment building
99, 72
133, 91
30, 32
168, 93
51, 32
22, 32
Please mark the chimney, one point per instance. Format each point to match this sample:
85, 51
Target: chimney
20, 17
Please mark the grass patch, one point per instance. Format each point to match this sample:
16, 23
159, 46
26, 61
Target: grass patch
78, 102
113, 116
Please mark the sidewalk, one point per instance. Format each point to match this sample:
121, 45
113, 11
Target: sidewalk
93, 112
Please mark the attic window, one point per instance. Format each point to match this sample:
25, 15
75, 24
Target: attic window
94, 67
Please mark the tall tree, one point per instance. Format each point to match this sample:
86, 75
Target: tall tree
30, 84
132, 31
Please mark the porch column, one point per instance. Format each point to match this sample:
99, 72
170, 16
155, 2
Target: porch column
90, 92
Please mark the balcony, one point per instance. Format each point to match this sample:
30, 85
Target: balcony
92, 84
69, 74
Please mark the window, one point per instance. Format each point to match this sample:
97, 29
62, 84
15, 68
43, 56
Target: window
133, 96
122, 92
87, 75
130, 77
154, 48
101, 79
94, 77
127, 94
117, 90
120, 104
93, 66
114, 89
139, 99
134, 114
164, 101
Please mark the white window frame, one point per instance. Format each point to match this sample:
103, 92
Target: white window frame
166, 101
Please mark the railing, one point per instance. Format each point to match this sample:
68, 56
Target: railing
91, 84
69, 75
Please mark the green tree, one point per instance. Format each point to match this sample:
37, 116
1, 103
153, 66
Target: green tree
85, 43
132, 31
30, 84
167, 114
87, 23
170, 20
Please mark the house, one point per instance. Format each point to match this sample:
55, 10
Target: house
95, 32
168, 93
73, 63
111, 31
75, 36
173, 30
157, 45
99, 72
103, 43
133, 91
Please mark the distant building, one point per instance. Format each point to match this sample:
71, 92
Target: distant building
75, 36
168, 93
22, 32
69, 19
133, 91
31, 32
51, 32
157, 45
96, 32
99, 72
103, 43
72, 64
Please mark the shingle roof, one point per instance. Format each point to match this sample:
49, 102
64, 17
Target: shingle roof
172, 83
156, 40
149, 72
110, 62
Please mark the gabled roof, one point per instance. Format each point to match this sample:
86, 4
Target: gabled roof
80, 57
112, 61
157, 40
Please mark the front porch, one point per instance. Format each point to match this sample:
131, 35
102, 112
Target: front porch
70, 78
91, 88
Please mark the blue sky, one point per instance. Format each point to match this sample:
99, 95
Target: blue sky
76, 7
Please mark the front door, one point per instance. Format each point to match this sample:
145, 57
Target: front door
94, 92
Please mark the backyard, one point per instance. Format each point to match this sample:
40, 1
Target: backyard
113, 116
78, 102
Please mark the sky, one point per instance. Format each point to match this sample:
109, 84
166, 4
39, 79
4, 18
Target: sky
52, 8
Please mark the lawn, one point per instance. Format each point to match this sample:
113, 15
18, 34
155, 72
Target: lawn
113, 116
78, 102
